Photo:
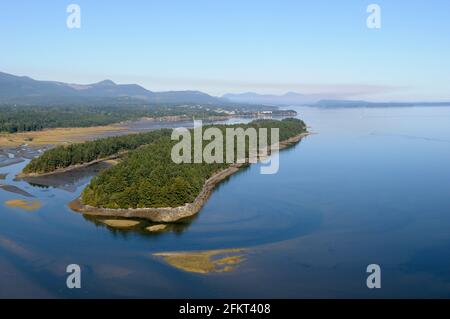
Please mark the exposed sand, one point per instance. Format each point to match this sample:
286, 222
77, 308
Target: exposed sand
120, 223
204, 262
156, 228
24, 204
113, 162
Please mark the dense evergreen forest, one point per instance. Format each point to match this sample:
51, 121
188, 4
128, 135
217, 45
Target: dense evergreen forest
65, 156
148, 177
34, 118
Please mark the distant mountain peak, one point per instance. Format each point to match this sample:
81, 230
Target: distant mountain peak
22, 89
106, 83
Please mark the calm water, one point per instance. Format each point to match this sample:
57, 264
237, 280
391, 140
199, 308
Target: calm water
372, 186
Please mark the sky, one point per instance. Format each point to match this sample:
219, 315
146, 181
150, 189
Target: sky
229, 46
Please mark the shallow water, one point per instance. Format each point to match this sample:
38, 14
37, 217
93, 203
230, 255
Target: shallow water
372, 186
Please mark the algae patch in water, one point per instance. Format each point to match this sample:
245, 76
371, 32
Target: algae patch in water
24, 204
120, 223
204, 262
156, 228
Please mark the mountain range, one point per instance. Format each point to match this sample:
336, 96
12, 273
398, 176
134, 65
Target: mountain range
23, 89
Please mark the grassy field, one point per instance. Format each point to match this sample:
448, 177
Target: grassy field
58, 136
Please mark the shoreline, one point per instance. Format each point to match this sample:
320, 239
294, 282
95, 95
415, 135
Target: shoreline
67, 169
121, 126
115, 156
56, 136
173, 214
50, 137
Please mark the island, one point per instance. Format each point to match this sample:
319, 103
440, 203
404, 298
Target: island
145, 182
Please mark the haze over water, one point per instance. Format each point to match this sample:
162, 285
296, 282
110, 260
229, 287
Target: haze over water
371, 187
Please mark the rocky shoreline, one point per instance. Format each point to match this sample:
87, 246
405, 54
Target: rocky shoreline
173, 214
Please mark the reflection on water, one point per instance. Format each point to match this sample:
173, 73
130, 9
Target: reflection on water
15, 190
139, 226
69, 181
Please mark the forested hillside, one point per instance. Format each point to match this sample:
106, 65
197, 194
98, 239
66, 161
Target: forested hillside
65, 156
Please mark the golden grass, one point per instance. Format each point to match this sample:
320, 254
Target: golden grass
204, 262
120, 223
24, 204
57, 136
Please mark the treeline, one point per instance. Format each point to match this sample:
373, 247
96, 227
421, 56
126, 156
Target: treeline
65, 156
148, 177
15, 119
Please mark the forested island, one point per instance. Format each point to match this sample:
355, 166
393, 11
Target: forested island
146, 178
78, 154
149, 178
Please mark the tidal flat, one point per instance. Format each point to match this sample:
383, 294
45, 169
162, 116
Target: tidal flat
204, 262
120, 223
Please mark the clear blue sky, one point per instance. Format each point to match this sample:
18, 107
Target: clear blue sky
236, 46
